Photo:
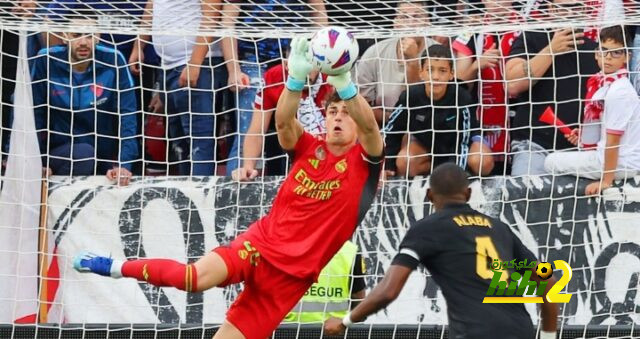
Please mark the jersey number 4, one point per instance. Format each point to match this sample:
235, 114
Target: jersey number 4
486, 253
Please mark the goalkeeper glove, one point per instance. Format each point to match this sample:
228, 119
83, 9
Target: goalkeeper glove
344, 86
298, 64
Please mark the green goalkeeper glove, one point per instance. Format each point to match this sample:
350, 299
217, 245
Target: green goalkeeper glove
298, 64
344, 86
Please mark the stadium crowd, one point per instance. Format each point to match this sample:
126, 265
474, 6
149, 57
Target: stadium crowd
121, 105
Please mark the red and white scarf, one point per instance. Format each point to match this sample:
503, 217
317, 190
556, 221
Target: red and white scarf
597, 88
599, 83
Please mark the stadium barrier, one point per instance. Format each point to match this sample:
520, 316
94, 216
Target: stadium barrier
183, 218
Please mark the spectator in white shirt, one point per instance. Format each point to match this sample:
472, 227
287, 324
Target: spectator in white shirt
193, 76
616, 104
388, 67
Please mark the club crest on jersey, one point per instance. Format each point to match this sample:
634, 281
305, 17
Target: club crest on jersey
97, 89
320, 153
341, 166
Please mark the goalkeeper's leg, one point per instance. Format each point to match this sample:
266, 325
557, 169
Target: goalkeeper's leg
209, 271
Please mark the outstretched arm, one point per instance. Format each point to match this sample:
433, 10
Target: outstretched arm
288, 127
361, 113
368, 131
381, 296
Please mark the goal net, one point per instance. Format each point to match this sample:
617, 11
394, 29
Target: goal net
146, 128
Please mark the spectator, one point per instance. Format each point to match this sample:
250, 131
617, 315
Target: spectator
253, 57
615, 101
116, 14
339, 288
262, 131
120, 15
530, 75
389, 66
85, 103
634, 66
482, 68
441, 126
193, 72
448, 12
362, 14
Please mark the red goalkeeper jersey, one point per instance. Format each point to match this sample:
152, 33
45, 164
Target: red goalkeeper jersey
317, 208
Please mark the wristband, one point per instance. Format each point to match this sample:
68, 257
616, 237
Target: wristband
476, 138
348, 92
547, 335
295, 85
346, 321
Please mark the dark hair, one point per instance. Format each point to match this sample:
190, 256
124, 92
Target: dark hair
437, 51
448, 179
617, 33
331, 98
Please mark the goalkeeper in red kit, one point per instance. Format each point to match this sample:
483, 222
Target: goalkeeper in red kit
330, 187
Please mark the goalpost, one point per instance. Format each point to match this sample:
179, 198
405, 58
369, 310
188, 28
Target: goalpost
68, 119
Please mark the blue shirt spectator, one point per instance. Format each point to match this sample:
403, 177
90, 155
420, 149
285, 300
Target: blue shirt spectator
85, 108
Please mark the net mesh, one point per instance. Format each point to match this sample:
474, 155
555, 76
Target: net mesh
365, 18
181, 134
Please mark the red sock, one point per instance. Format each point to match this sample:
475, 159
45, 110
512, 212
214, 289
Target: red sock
162, 272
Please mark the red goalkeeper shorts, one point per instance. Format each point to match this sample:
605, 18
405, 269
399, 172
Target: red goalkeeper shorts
268, 295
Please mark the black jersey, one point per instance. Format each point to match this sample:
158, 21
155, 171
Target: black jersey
562, 86
453, 244
445, 127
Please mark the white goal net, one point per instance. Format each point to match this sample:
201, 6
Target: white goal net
145, 128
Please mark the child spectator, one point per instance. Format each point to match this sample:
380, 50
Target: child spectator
618, 152
85, 108
261, 135
438, 116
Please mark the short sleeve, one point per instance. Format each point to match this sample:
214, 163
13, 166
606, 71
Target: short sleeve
618, 112
267, 97
415, 247
394, 130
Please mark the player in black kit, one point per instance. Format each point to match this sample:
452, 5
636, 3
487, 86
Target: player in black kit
458, 255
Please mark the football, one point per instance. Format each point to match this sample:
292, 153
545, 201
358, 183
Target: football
544, 270
333, 50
